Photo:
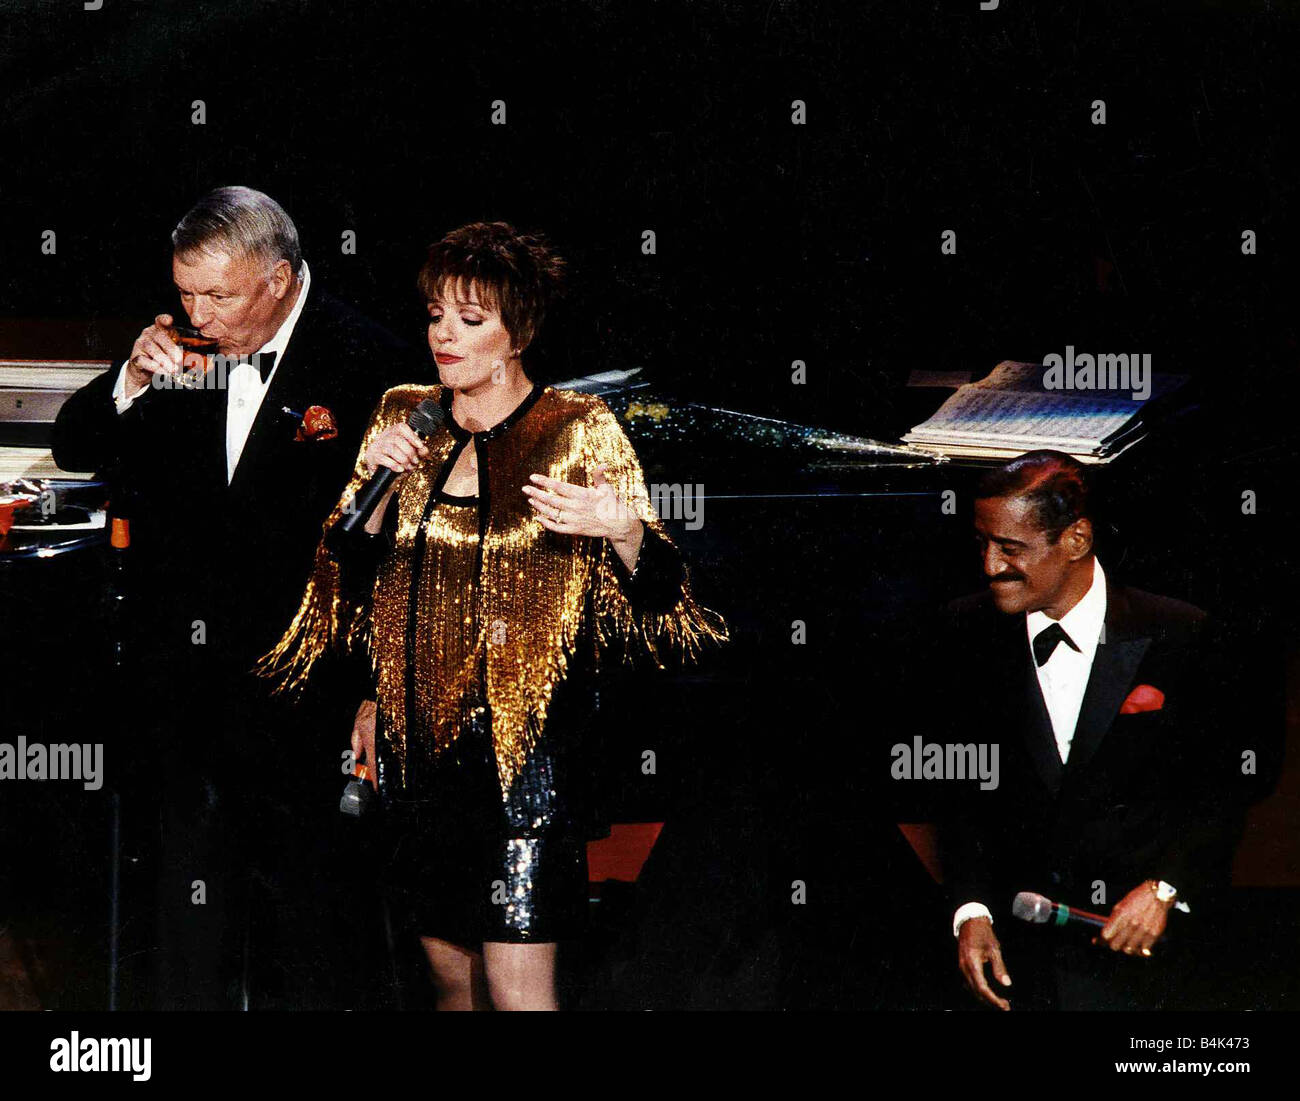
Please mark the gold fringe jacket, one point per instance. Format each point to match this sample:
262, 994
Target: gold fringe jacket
536, 590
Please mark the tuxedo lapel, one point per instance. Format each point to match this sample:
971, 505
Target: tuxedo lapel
1119, 653
220, 400
1037, 723
272, 424
1025, 712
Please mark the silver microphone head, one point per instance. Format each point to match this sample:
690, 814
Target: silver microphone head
350, 804
358, 796
1032, 907
426, 417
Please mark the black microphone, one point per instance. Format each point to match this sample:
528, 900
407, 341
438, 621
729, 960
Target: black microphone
1031, 907
425, 418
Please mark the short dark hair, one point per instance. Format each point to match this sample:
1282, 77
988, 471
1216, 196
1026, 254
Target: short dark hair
1055, 484
241, 222
519, 274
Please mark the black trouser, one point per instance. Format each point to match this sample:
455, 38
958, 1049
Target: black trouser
261, 898
1055, 968
202, 899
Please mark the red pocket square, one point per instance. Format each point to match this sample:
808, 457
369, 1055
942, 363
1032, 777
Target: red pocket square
1144, 697
317, 424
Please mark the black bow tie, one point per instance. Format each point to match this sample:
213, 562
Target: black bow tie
1045, 642
264, 361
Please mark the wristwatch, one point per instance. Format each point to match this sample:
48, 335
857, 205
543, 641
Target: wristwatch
1165, 892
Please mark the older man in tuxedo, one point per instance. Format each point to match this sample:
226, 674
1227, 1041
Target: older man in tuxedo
1117, 791
226, 484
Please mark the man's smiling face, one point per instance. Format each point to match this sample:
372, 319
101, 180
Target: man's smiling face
1025, 570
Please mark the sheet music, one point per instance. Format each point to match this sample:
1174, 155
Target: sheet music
1010, 411
979, 414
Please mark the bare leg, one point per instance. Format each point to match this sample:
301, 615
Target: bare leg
521, 976
458, 975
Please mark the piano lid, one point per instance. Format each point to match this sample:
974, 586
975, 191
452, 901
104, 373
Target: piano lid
742, 454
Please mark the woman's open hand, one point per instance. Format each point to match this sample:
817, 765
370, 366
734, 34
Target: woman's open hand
594, 510
578, 510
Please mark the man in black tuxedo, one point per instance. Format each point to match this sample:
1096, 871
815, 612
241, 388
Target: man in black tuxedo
1116, 786
226, 484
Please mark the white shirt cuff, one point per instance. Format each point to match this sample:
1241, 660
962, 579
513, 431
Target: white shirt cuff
120, 399
966, 912
1179, 904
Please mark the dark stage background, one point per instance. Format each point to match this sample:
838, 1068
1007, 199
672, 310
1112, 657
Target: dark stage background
775, 242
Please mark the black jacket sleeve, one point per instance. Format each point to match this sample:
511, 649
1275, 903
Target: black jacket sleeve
1212, 792
963, 846
89, 433
655, 586
965, 840
358, 556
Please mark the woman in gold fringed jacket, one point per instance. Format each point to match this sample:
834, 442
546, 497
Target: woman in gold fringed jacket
518, 544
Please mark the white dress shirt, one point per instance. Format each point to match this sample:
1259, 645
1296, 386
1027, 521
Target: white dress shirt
245, 389
1063, 677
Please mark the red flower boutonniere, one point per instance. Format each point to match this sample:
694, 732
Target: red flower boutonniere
316, 424
1143, 698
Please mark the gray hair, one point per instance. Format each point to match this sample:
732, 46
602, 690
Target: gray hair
239, 221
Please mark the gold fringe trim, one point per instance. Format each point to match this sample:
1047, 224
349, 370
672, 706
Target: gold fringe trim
325, 620
684, 631
534, 593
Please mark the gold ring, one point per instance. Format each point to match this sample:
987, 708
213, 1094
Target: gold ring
559, 515
1146, 951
